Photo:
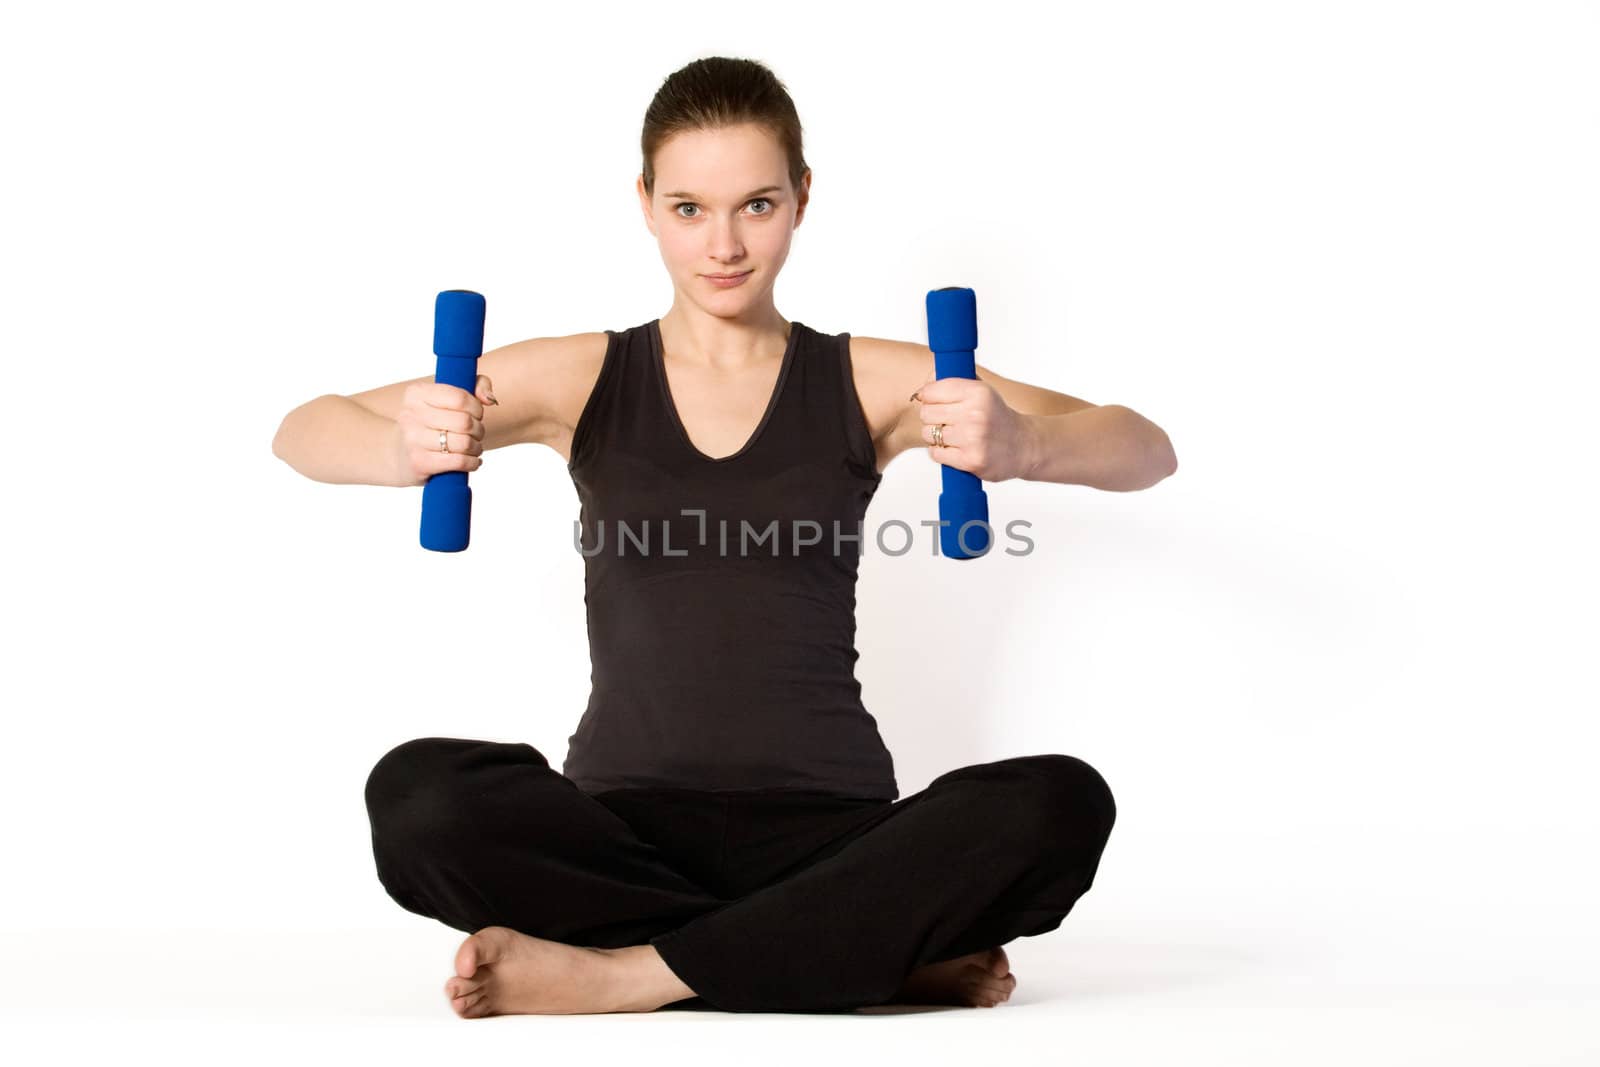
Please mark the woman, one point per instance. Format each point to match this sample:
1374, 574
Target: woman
726, 829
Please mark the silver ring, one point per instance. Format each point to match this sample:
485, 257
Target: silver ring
444, 441
938, 434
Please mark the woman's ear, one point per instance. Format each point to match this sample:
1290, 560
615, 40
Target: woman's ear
802, 197
644, 205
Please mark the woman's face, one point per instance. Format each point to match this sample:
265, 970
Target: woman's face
723, 205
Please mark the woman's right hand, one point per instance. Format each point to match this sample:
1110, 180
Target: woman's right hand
429, 407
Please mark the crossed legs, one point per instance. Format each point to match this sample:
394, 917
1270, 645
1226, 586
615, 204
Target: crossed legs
578, 911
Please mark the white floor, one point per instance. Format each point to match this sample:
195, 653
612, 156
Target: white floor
1097, 991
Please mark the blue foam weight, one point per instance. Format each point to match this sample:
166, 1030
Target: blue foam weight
457, 342
963, 505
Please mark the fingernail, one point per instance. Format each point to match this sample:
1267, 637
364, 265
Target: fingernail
492, 400
914, 395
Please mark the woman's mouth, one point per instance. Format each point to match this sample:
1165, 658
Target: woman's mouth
725, 281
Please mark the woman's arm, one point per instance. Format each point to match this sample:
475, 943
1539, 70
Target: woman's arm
357, 439
1055, 437
1107, 447
334, 439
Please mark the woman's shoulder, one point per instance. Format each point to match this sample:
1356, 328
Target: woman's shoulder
888, 366
560, 372
885, 372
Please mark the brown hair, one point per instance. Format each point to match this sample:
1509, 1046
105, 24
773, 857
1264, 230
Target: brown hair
717, 92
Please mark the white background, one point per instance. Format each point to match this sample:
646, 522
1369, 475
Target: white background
1339, 669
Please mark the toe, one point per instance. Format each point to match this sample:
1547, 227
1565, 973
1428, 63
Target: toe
467, 957
481, 949
996, 988
460, 987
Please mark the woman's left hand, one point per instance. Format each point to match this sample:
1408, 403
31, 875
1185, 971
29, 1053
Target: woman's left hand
982, 433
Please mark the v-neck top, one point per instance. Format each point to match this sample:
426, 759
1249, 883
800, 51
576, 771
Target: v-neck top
720, 591
653, 329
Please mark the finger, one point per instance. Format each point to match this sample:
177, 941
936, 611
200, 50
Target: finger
426, 438
462, 444
436, 462
932, 383
457, 424
951, 390
941, 412
485, 390
454, 419
950, 457
450, 398
952, 435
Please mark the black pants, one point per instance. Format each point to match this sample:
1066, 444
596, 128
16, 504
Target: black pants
771, 900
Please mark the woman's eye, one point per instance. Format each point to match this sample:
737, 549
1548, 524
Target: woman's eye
757, 200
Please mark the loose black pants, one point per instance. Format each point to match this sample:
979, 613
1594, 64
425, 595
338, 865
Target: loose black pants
772, 900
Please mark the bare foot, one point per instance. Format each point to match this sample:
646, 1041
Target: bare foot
981, 979
501, 971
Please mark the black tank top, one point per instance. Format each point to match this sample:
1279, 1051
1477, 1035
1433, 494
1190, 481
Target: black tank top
721, 618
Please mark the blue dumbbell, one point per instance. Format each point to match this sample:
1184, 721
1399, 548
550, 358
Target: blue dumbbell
457, 342
963, 505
